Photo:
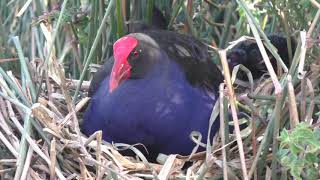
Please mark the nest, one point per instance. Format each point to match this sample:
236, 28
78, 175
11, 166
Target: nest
42, 140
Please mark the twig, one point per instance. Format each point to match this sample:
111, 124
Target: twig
294, 118
53, 159
222, 132
308, 117
8, 60
27, 164
223, 57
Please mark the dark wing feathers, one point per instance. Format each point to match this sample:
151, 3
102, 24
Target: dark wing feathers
192, 55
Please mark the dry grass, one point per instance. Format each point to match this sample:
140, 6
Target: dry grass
58, 150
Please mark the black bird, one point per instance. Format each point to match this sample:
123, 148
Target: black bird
248, 54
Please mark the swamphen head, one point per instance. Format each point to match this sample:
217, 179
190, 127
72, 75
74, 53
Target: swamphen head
248, 54
157, 88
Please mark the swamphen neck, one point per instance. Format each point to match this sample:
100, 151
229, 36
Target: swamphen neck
161, 87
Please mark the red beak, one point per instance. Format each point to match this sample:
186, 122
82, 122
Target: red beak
121, 69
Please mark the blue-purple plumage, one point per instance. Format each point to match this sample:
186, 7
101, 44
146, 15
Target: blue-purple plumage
159, 109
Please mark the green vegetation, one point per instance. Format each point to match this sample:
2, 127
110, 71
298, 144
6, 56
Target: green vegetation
300, 150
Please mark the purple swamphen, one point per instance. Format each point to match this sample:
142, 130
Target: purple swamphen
158, 87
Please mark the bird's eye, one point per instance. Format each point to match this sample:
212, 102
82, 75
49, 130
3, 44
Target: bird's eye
135, 54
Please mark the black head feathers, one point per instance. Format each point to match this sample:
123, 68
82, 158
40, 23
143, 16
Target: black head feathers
248, 54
